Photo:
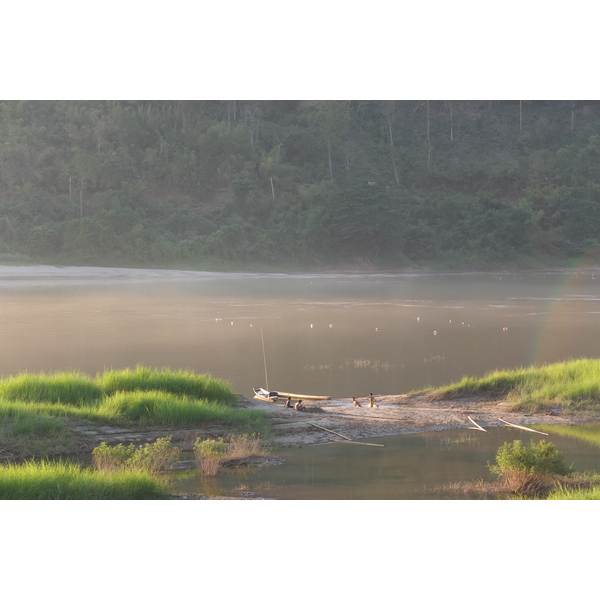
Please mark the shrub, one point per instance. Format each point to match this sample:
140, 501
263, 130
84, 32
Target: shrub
212, 454
110, 458
151, 458
540, 458
156, 457
531, 470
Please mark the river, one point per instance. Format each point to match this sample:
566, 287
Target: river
336, 335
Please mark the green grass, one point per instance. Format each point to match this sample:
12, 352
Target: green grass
563, 493
71, 388
35, 409
182, 383
64, 481
157, 407
573, 385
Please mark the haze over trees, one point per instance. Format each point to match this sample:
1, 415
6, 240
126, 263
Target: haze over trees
305, 184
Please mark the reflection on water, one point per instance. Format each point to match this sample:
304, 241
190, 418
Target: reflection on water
324, 334
408, 467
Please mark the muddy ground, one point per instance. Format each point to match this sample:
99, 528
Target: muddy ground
393, 415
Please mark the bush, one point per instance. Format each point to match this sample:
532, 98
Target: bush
540, 458
212, 454
150, 458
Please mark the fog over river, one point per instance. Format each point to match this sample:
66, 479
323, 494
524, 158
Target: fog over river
335, 334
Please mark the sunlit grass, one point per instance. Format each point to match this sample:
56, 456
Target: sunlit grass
564, 493
71, 388
35, 409
570, 385
65, 481
157, 407
182, 383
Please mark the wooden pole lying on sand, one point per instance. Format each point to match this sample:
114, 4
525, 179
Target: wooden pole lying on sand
476, 425
346, 440
329, 431
521, 427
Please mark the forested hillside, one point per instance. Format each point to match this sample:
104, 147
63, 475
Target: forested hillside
299, 184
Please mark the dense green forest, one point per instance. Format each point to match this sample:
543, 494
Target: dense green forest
299, 184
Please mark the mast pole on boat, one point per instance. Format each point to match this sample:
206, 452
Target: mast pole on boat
264, 357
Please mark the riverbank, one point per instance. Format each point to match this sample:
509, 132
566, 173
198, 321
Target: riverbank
393, 415
396, 415
326, 421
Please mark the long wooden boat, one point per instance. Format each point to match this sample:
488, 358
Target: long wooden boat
263, 394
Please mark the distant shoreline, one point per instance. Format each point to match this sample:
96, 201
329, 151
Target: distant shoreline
28, 274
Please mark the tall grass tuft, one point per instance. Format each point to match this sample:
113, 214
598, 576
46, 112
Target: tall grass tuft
65, 481
157, 407
565, 493
70, 388
569, 385
180, 383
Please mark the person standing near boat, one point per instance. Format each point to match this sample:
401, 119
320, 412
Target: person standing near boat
299, 405
288, 403
372, 401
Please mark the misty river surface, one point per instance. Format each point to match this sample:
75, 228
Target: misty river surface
336, 335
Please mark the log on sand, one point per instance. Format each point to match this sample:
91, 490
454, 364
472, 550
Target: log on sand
329, 431
477, 426
346, 440
521, 427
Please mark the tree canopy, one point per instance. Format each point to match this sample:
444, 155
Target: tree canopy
300, 183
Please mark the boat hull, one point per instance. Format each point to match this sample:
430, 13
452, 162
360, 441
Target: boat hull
263, 394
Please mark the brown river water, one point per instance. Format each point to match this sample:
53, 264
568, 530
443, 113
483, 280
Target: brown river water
338, 335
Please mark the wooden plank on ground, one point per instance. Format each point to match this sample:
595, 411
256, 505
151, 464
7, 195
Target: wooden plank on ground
521, 427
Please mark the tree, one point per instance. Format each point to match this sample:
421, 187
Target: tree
330, 120
389, 108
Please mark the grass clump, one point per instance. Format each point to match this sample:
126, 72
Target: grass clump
570, 385
212, 454
65, 481
566, 493
72, 388
158, 407
181, 383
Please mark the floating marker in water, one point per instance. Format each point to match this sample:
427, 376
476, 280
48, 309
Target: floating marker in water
435, 333
311, 325
330, 326
418, 318
376, 328
232, 322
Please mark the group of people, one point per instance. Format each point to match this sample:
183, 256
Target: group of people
298, 406
371, 400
